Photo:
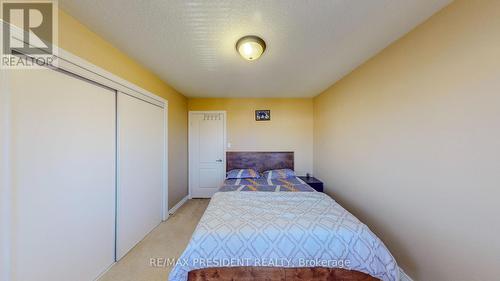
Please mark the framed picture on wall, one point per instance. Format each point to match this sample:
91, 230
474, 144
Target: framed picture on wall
262, 115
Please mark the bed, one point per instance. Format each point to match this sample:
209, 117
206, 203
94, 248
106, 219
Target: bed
263, 235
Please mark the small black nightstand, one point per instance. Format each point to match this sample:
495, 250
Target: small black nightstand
313, 182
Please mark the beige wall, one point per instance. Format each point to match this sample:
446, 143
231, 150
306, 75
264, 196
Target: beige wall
290, 128
410, 143
79, 40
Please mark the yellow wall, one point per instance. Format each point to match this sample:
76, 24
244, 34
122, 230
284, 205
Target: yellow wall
410, 143
290, 128
79, 40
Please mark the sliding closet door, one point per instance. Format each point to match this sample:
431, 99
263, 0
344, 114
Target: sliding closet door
63, 176
140, 170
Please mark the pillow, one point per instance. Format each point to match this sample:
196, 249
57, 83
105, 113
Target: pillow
279, 174
242, 174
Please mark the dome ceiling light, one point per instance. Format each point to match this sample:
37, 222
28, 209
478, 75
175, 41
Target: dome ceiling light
250, 47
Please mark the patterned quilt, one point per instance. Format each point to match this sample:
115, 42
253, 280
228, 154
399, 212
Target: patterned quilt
283, 229
263, 184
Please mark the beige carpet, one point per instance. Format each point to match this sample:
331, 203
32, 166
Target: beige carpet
168, 240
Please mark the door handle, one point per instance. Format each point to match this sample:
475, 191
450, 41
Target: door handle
218, 160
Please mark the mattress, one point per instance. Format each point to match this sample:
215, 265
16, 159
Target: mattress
293, 184
283, 229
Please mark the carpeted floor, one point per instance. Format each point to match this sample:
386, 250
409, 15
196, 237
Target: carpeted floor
168, 240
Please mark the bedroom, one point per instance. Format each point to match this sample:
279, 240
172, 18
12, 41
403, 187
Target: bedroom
390, 107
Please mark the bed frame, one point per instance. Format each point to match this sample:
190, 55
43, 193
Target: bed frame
277, 274
259, 161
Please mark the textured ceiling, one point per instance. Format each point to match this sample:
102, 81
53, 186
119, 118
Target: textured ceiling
310, 44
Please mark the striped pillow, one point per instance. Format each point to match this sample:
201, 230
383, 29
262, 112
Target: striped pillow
242, 174
279, 174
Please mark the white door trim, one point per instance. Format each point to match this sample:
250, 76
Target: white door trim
190, 117
5, 179
165, 206
87, 70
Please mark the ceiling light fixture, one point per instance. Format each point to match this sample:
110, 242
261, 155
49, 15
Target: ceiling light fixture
250, 47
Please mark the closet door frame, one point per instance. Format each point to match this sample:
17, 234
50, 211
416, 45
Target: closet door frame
164, 211
75, 65
123, 236
65, 181
80, 67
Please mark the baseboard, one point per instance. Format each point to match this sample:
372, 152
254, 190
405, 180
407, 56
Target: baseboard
105, 271
403, 276
178, 205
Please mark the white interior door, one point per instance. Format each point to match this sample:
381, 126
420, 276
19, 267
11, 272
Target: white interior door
141, 147
63, 176
206, 153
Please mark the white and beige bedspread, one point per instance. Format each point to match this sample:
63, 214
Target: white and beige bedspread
284, 229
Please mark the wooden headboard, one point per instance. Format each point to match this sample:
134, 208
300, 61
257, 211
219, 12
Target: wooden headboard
259, 161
